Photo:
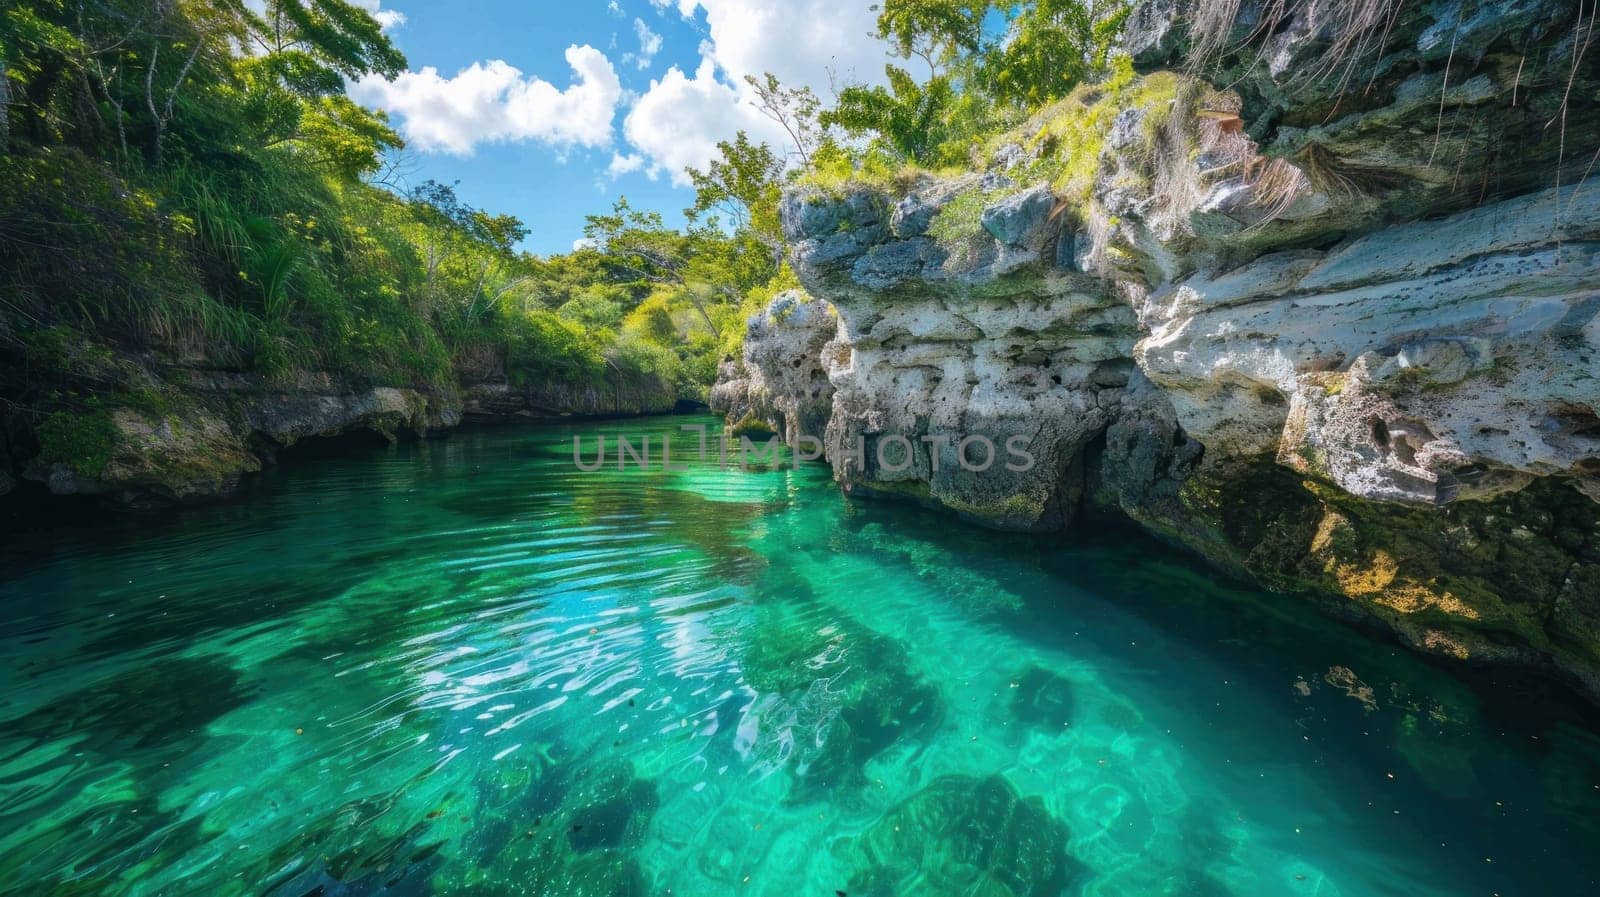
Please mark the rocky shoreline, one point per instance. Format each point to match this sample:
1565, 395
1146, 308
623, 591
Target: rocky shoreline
185, 435
1348, 346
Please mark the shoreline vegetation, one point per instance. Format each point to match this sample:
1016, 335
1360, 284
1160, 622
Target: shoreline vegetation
196, 221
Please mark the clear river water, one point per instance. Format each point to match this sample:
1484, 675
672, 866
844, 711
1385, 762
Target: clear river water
463, 666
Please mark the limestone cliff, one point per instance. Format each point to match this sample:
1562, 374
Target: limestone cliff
1315, 295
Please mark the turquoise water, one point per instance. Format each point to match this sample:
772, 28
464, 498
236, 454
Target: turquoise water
463, 667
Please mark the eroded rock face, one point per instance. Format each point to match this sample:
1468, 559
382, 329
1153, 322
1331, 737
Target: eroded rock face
1423, 363
163, 429
498, 400
972, 376
781, 382
1230, 341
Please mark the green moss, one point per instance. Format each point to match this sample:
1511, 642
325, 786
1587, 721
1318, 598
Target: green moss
1016, 509
839, 172
151, 400
84, 442
1069, 136
753, 427
64, 349
959, 225
916, 490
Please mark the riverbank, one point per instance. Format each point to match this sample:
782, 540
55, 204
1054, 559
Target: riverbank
187, 435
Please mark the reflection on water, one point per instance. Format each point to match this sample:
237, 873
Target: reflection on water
463, 667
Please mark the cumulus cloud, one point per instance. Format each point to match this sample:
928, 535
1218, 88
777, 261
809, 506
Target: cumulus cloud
493, 101
800, 41
622, 164
678, 121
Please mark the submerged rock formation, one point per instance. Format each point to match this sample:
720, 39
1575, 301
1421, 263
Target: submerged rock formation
1345, 340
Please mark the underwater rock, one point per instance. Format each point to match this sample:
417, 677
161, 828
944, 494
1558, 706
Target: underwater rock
1042, 698
577, 832
836, 697
609, 807
152, 706
964, 836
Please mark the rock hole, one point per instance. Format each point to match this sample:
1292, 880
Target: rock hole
1578, 420
1056, 379
1380, 432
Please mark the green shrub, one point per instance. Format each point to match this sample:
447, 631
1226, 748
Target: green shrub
543, 347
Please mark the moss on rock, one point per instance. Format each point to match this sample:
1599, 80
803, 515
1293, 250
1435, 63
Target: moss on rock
85, 442
1512, 579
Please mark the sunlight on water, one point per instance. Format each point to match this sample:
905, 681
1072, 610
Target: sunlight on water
465, 667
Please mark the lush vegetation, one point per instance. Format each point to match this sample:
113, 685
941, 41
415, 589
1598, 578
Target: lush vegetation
973, 72
976, 68
188, 180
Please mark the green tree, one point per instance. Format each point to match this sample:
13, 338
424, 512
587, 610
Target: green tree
907, 115
1049, 47
935, 31
745, 183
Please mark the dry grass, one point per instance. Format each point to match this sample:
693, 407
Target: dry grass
1278, 184
1358, 27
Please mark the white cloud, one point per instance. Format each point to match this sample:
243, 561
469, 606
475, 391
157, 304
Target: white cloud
387, 18
800, 41
626, 164
813, 43
615, 9
649, 43
678, 121
493, 101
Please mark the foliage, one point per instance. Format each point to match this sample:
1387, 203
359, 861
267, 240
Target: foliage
544, 347
1051, 46
745, 184
189, 178
1068, 136
907, 115
978, 79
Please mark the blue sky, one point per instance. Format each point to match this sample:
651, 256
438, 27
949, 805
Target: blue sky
551, 110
